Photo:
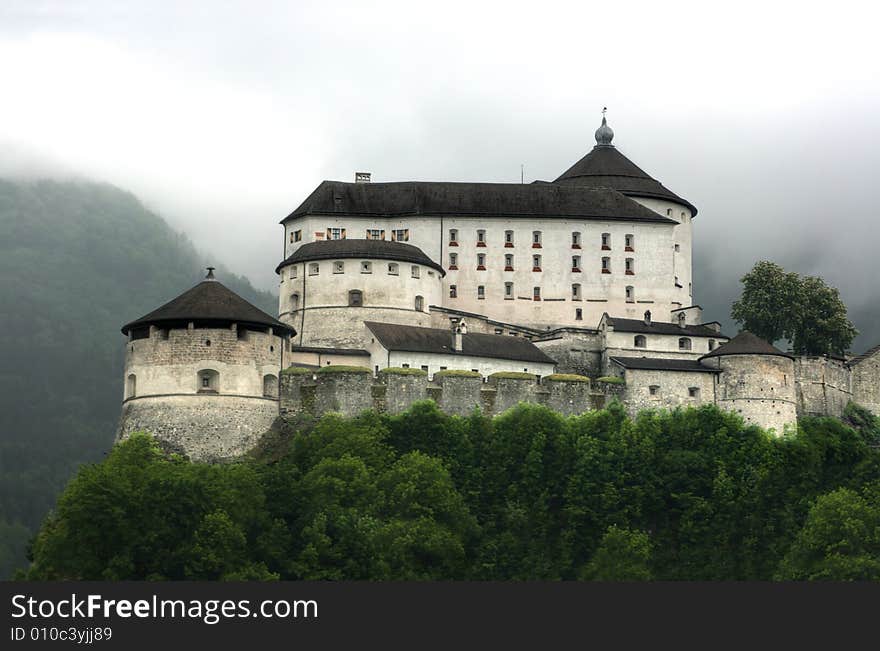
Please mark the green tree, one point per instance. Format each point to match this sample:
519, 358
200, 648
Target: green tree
776, 304
840, 540
623, 555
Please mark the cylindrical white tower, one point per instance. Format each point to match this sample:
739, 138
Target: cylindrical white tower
201, 373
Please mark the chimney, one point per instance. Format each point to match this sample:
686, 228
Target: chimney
210, 275
460, 330
648, 317
362, 177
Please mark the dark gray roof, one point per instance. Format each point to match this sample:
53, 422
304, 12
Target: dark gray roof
662, 328
605, 166
473, 199
354, 248
745, 343
359, 352
436, 340
659, 364
868, 353
209, 301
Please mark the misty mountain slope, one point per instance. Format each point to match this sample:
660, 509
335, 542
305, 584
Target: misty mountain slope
77, 260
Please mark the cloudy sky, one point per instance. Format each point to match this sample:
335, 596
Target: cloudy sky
223, 116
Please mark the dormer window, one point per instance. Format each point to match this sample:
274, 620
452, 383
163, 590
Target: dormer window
508, 238
575, 240
508, 262
536, 239
629, 242
481, 237
576, 263
400, 235
536, 263
606, 265
606, 241
335, 233
453, 237
375, 234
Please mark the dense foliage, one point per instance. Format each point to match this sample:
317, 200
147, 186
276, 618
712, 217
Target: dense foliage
688, 494
776, 304
77, 260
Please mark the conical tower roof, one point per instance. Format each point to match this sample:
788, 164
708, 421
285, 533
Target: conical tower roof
605, 166
209, 301
745, 343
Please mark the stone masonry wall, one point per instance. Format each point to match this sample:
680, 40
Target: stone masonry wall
824, 386
204, 427
866, 382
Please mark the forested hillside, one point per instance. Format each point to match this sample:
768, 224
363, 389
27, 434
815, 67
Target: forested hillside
77, 260
688, 494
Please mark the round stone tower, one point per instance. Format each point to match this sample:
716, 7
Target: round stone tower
201, 372
330, 288
757, 381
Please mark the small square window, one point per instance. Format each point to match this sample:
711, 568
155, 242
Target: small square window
415, 271
694, 392
654, 390
366, 267
338, 267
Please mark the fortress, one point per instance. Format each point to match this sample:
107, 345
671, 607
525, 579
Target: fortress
477, 295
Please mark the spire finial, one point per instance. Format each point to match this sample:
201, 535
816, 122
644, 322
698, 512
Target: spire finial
210, 275
604, 134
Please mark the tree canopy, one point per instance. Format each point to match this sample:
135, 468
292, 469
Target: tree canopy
777, 304
688, 494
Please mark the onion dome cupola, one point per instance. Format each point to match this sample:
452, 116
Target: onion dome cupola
605, 166
208, 303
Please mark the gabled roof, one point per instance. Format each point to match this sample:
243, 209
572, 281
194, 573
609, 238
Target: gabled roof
415, 339
209, 301
866, 355
355, 248
639, 326
605, 166
474, 200
354, 352
745, 343
661, 364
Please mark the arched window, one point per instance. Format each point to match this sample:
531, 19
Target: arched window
208, 381
294, 302
355, 298
640, 341
131, 386
420, 303
684, 343
270, 386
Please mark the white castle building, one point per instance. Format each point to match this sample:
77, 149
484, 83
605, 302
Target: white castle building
590, 274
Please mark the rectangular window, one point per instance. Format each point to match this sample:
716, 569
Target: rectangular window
481, 262
629, 242
575, 240
294, 271
481, 292
297, 236
536, 239
425, 368
366, 267
400, 235
481, 237
393, 269
335, 233
578, 314
606, 265
453, 291
606, 241
576, 292
630, 267
575, 263
453, 260
499, 331
536, 263
453, 237
314, 269
508, 262
508, 238
415, 271
536, 293
508, 291
654, 390
339, 267
375, 234
693, 392
630, 295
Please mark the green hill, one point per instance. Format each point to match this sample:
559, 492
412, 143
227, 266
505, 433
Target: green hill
77, 260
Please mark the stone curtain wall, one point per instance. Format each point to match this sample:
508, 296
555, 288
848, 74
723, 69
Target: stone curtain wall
824, 386
350, 393
205, 428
